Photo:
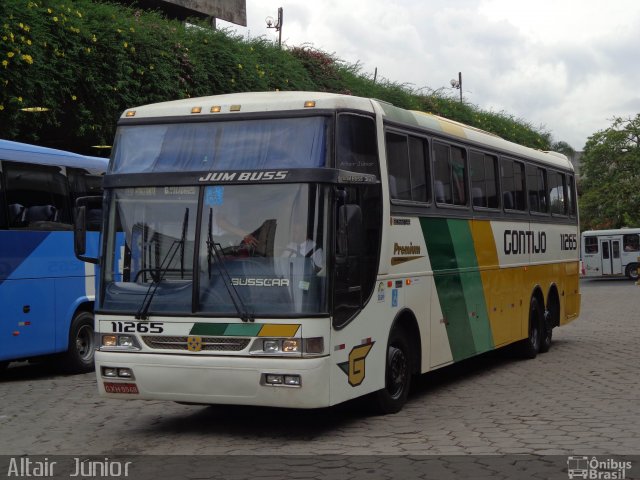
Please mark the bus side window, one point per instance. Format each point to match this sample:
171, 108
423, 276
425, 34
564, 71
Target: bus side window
449, 172
571, 196
5, 213
84, 183
537, 189
407, 164
513, 185
484, 180
590, 245
38, 197
631, 242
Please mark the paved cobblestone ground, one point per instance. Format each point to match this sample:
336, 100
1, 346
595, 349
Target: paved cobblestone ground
583, 397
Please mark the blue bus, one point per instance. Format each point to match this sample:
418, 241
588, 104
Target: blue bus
46, 294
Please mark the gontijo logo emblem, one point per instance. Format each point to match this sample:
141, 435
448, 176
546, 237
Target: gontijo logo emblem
355, 368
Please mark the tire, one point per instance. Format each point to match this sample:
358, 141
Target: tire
398, 371
530, 346
79, 356
632, 271
547, 332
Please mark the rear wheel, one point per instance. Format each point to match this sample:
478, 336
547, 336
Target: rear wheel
398, 370
530, 346
632, 271
79, 356
547, 332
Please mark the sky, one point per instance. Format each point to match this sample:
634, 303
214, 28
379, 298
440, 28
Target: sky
568, 66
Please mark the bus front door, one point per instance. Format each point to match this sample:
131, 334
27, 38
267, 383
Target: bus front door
611, 260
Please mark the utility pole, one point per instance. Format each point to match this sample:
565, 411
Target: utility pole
458, 84
277, 25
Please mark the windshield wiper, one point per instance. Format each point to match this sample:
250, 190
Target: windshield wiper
214, 248
168, 258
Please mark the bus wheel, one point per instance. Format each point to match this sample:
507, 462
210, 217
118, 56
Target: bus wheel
632, 271
398, 370
79, 356
530, 346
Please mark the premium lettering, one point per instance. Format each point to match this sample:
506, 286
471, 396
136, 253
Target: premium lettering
410, 249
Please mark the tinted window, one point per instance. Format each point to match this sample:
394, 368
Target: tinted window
513, 186
536, 189
484, 181
449, 174
356, 147
406, 158
590, 245
557, 193
571, 196
37, 196
631, 243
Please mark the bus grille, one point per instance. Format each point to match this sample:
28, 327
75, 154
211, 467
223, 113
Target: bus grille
218, 344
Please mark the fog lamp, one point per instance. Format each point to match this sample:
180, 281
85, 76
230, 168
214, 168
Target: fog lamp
274, 379
109, 340
292, 380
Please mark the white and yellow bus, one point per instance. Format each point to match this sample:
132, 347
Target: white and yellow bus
300, 249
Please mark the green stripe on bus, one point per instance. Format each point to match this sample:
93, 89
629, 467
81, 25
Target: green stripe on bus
226, 329
459, 285
448, 285
213, 329
477, 312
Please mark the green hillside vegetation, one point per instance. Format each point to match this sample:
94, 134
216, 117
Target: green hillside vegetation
87, 61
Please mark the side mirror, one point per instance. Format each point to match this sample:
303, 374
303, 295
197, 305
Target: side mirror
80, 228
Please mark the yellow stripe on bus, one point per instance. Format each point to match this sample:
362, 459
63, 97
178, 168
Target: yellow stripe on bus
271, 330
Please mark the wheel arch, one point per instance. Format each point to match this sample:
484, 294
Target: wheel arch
406, 321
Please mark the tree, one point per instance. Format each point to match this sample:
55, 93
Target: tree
611, 176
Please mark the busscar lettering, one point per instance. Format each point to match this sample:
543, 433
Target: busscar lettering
260, 282
254, 176
523, 242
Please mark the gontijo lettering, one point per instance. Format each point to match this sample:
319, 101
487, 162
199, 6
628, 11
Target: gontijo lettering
520, 242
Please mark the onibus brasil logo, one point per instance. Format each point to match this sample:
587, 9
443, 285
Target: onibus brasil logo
594, 468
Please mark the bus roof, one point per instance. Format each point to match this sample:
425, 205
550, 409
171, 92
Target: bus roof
613, 231
24, 152
254, 102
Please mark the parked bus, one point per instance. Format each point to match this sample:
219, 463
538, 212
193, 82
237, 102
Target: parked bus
299, 249
611, 253
47, 295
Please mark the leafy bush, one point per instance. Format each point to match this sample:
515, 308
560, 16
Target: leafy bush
87, 61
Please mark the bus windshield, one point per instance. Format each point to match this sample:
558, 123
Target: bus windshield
222, 145
259, 250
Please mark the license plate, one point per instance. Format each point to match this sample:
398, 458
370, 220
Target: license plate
130, 388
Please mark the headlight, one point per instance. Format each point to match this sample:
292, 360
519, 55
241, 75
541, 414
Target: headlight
118, 342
